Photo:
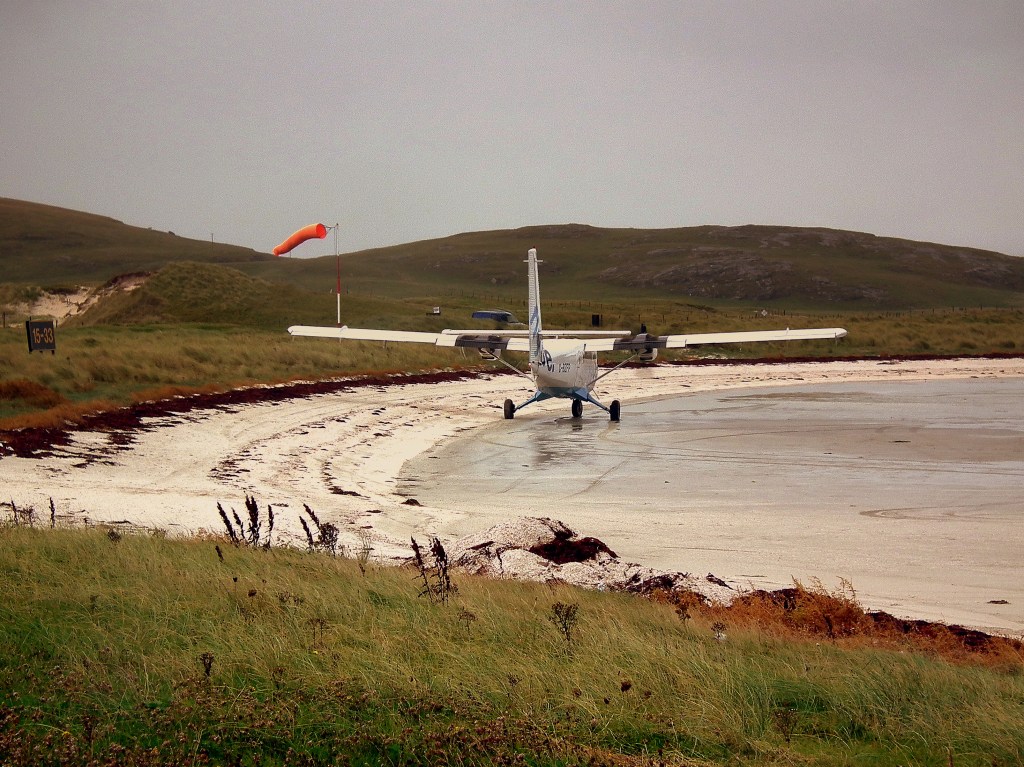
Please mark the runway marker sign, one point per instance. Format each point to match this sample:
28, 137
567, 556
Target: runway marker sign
41, 336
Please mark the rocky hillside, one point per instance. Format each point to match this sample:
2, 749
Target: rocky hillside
760, 263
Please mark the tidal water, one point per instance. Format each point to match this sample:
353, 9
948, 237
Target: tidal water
914, 492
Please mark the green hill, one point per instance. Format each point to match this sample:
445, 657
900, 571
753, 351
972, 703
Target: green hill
196, 292
775, 266
771, 265
189, 292
49, 246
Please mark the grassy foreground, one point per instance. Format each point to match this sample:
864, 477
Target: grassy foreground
142, 650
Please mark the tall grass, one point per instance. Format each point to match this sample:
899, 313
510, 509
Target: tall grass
153, 651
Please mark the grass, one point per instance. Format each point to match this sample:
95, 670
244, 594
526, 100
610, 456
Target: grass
137, 649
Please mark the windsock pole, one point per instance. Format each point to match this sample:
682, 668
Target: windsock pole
337, 258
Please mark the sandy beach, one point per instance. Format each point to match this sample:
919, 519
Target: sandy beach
343, 453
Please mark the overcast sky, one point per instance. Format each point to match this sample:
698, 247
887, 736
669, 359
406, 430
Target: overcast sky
410, 120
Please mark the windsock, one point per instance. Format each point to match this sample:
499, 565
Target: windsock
311, 232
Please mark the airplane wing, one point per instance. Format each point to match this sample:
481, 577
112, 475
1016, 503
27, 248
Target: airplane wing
472, 339
512, 340
646, 342
592, 340
364, 334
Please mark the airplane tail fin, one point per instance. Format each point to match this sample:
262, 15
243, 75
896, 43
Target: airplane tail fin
536, 341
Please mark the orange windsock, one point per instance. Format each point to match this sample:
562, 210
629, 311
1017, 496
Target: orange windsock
311, 232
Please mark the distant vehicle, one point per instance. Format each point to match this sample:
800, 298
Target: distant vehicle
563, 363
498, 315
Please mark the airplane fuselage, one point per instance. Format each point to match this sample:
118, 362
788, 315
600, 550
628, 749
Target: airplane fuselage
569, 374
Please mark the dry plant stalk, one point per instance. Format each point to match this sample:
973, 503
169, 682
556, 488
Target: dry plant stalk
565, 616
436, 578
326, 539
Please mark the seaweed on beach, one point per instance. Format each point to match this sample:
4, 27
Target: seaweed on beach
42, 442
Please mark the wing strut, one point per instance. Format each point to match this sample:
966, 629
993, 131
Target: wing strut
510, 366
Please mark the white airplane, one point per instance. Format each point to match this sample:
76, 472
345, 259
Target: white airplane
563, 363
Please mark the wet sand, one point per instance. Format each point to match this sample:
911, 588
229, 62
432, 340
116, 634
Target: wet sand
910, 491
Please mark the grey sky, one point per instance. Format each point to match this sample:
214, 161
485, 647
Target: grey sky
410, 120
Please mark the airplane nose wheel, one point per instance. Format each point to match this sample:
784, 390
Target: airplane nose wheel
613, 411
510, 410
577, 408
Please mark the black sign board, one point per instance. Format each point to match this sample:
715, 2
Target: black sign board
41, 337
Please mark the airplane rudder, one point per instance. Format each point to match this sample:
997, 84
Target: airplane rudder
536, 344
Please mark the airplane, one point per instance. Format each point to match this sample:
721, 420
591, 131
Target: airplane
563, 363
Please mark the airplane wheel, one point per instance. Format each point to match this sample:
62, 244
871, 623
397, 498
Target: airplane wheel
577, 408
510, 410
613, 411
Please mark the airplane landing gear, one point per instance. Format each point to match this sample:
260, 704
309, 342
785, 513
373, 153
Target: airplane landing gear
510, 410
613, 411
577, 408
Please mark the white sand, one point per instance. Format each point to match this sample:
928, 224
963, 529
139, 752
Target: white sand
309, 450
